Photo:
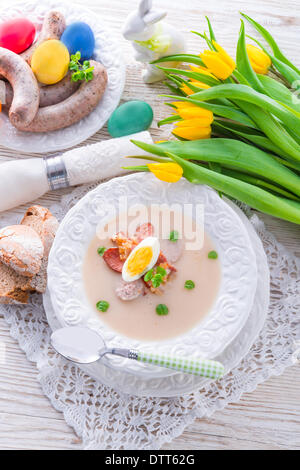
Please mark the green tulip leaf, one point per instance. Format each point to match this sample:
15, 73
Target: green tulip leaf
243, 63
272, 43
231, 154
254, 196
189, 58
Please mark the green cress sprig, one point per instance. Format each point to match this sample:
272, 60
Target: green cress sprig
80, 71
155, 276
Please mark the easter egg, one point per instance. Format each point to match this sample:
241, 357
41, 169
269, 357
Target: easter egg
50, 62
17, 34
130, 118
78, 36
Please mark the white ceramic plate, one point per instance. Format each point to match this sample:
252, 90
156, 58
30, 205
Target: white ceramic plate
107, 51
239, 273
180, 384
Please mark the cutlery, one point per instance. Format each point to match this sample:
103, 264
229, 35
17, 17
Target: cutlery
85, 346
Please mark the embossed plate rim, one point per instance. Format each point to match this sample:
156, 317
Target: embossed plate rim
181, 384
78, 228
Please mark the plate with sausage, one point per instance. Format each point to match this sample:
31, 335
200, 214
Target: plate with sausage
52, 97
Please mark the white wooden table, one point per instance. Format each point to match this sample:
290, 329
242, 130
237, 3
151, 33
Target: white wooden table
268, 418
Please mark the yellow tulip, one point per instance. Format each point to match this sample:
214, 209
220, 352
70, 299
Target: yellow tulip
192, 123
201, 69
259, 60
168, 172
197, 83
195, 122
192, 111
218, 62
189, 91
192, 132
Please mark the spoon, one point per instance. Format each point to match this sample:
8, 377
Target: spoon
85, 346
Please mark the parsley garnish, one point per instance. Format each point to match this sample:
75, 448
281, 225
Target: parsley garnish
148, 276
156, 276
157, 280
80, 71
101, 250
161, 271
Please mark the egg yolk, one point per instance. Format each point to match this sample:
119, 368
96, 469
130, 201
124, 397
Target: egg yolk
139, 261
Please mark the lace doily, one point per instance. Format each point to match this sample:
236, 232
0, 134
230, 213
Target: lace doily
107, 419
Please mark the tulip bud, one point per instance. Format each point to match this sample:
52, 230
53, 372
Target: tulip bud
218, 62
168, 172
259, 60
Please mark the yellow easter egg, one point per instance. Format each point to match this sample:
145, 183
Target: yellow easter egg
50, 62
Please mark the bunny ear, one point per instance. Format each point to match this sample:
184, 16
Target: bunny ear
145, 6
154, 16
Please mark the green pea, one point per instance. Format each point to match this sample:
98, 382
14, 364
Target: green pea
213, 255
189, 285
162, 310
102, 306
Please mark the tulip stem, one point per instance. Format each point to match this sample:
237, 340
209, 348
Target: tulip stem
281, 77
235, 79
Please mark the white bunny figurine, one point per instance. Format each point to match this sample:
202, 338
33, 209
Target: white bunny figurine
152, 39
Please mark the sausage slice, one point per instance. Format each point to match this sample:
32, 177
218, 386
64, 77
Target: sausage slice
113, 260
172, 250
130, 290
143, 231
49, 94
26, 95
74, 108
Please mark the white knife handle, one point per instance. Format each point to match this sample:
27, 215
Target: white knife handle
22, 181
102, 160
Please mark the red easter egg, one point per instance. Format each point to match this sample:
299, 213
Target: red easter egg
17, 34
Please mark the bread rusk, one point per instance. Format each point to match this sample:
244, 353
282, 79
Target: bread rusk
14, 288
22, 249
45, 224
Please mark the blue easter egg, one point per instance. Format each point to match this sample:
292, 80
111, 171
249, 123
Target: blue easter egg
78, 36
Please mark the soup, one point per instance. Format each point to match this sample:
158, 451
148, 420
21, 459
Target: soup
184, 297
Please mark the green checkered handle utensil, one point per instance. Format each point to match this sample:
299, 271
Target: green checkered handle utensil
200, 367
85, 346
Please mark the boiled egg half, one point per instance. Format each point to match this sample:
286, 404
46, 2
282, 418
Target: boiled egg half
141, 259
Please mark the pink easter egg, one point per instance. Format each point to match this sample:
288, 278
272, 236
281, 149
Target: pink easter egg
17, 34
